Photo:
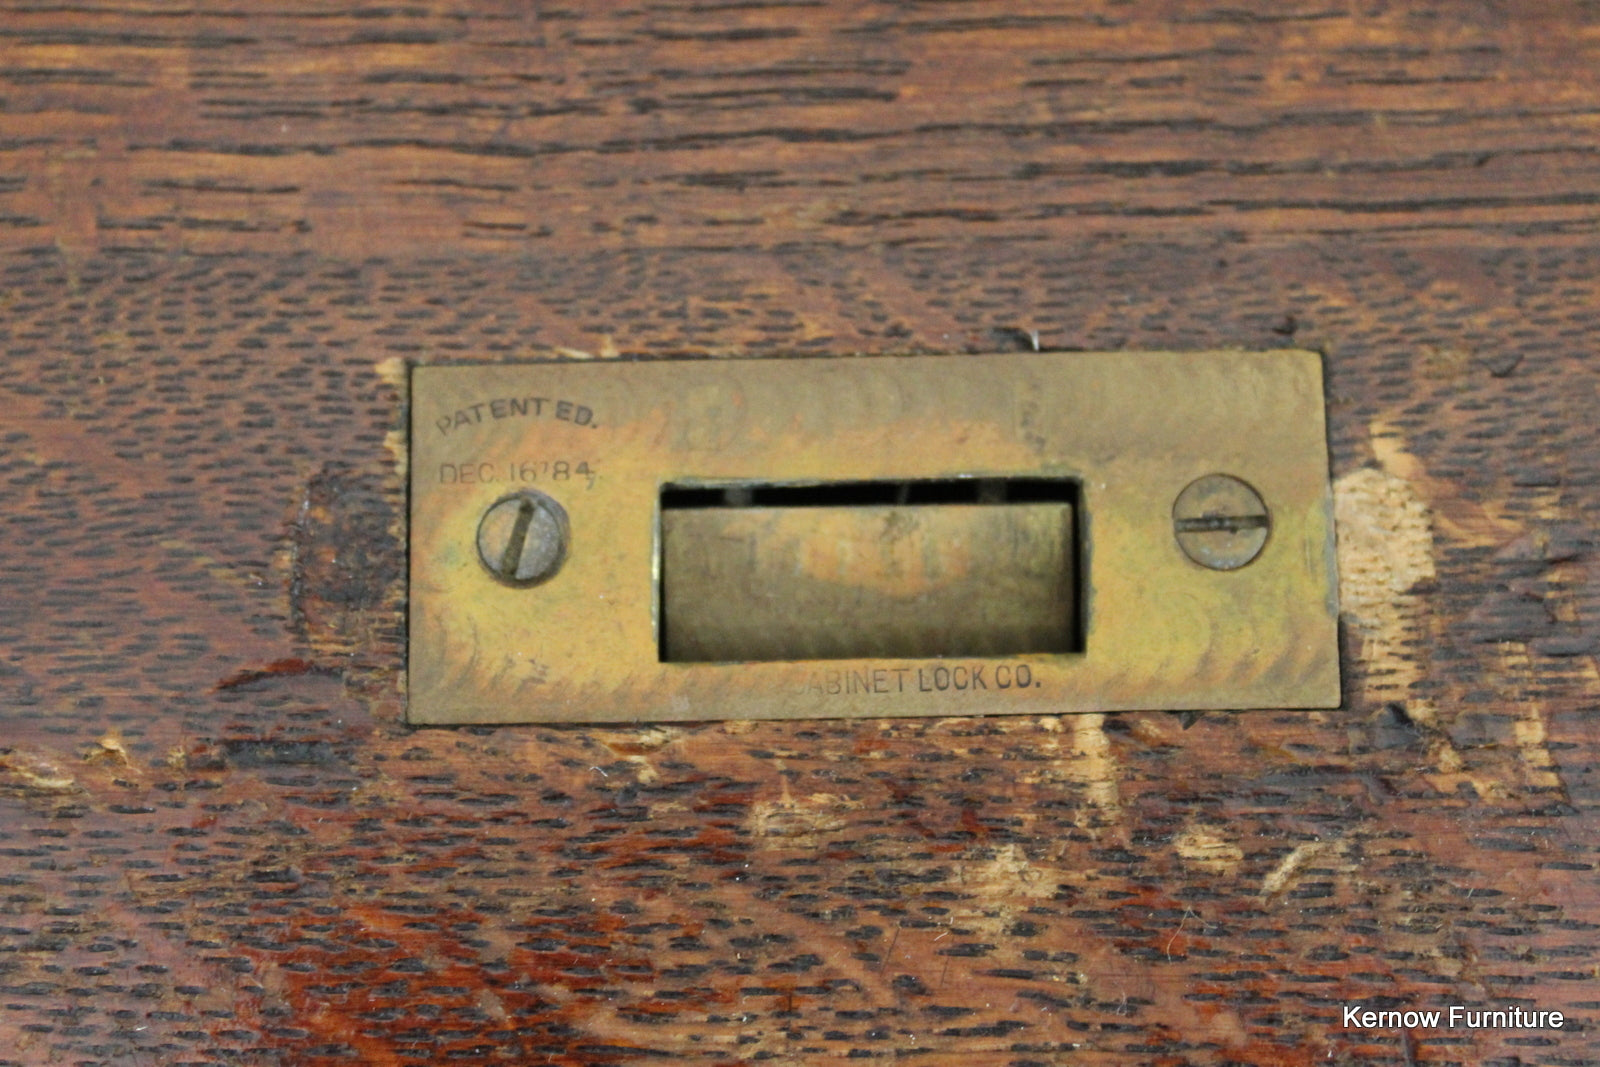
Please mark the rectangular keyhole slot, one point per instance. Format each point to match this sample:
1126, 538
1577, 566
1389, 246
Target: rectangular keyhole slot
752, 572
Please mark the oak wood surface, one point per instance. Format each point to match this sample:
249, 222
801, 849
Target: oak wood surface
225, 231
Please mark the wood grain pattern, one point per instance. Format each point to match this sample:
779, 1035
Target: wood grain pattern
224, 232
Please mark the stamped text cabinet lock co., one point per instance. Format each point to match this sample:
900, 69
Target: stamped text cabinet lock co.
921, 535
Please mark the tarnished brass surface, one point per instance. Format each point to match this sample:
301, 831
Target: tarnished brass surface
1132, 429
867, 582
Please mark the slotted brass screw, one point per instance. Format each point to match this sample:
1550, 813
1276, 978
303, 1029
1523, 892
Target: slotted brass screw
1220, 522
522, 538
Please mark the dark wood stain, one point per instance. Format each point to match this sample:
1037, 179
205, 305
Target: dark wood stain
224, 231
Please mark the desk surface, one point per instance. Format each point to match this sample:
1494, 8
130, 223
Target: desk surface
224, 235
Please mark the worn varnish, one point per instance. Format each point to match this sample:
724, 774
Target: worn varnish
225, 233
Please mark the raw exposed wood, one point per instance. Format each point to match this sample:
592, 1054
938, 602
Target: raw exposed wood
221, 229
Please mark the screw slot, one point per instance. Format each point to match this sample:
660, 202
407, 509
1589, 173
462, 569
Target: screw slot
1220, 522
522, 538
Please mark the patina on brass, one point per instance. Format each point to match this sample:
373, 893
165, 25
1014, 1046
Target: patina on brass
912, 582
1114, 613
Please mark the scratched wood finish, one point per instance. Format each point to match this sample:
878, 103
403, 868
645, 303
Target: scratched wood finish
223, 232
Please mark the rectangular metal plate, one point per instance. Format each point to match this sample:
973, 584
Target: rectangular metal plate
1130, 430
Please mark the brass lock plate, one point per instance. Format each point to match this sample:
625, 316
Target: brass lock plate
628, 541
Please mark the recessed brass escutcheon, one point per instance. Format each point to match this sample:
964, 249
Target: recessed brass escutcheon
922, 535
